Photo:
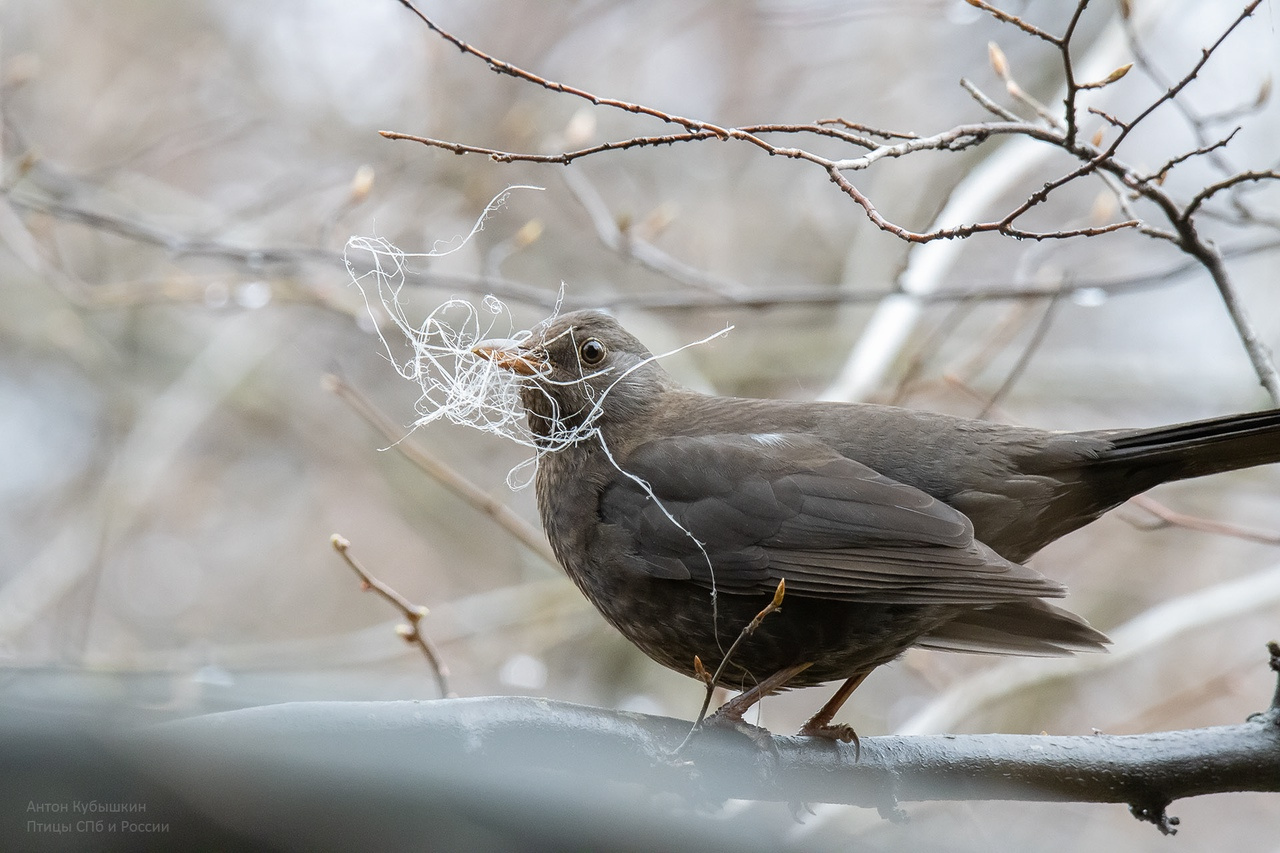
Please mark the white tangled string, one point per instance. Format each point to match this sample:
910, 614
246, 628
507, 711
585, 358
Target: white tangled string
457, 385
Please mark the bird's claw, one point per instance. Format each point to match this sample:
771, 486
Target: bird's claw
842, 732
759, 735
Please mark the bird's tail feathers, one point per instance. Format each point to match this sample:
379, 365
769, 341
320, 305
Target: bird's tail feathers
1029, 627
1199, 448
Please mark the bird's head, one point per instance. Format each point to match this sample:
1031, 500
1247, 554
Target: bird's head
582, 370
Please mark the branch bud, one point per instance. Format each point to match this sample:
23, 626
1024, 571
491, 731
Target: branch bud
1118, 73
998, 61
361, 184
779, 593
701, 671
528, 234
1264, 93
1110, 78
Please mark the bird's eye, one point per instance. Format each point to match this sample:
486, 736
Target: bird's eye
591, 352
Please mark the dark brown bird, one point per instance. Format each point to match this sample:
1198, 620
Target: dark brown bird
677, 514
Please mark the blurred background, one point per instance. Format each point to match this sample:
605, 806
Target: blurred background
180, 179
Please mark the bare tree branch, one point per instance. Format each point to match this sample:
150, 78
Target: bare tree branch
539, 739
413, 614
564, 158
1006, 17
1094, 160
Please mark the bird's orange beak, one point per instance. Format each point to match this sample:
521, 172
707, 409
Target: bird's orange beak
511, 355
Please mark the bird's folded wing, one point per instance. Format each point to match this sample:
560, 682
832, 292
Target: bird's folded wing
744, 511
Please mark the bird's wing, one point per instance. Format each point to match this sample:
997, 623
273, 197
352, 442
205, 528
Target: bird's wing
744, 511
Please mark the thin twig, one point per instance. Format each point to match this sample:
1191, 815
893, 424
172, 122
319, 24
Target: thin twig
412, 631
711, 680
631, 246
987, 102
1024, 358
817, 129
563, 158
1200, 124
1069, 74
1163, 172
868, 129
1000, 64
463, 488
1171, 517
1259, 353
1172, 92
1004, 226
501, 67
999, 338
279, 264
1226, 183
1008, 18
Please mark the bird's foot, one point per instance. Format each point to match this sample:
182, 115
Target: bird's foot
730, 721
842, 732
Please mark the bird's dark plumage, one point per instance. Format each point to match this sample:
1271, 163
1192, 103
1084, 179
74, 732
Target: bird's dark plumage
678, 513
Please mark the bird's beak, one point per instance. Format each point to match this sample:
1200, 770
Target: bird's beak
512, 355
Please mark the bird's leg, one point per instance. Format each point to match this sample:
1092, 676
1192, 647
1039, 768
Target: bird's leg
729, 715
733, 710
820, 725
